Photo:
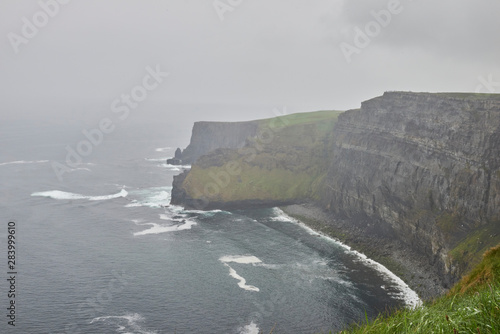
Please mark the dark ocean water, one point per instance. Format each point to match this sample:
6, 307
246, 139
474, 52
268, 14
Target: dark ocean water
98, 253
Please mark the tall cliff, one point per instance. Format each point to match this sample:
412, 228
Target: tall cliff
426, 164
208, 136
418, 167
285, 162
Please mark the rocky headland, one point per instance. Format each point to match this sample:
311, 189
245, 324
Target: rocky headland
411, 179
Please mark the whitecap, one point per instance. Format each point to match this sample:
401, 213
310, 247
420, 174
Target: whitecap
127, 322
165, 217
406, 294
175, 168
19, 162
176, 209
156, 159
155, 197
160, 228
249, 329
242, 282
281, 216
244, 259
57, 194
163, 149
209, 213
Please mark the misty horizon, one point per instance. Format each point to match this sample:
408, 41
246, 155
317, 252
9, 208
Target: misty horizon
239, 60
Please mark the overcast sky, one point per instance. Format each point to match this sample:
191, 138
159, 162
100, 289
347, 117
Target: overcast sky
247, 56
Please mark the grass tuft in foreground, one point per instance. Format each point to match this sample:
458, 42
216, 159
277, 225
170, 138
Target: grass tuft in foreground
471, 306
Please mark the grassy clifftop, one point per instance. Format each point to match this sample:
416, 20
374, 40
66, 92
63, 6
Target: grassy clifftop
285, 162
471, 306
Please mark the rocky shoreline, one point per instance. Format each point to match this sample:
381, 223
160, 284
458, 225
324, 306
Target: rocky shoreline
412, 268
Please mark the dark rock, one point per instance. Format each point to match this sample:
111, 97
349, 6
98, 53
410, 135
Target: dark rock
174, 161
405, 160
178, 153
209, 136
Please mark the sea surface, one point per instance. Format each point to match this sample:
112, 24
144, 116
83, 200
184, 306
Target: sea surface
101, 250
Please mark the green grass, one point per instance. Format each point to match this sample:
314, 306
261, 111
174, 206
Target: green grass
468, 251
301, 118
288, 164
471, 306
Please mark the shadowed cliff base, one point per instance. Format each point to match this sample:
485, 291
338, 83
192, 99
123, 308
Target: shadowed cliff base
360, 234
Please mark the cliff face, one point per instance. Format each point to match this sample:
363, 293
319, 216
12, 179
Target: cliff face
208, 136
422, 168
427, 164
284, 163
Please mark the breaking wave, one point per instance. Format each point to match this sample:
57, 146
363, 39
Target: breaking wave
57, 194
406, 294
157, 228
125, 324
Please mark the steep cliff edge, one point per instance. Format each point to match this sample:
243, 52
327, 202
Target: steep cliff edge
428, 165
284, 162
419, 168
208, 136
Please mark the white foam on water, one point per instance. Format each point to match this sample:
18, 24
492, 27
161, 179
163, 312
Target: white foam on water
156, 159
244, 259
160, 228
176, 209
281, 216
172, 216
151, 197
209, 213
57, 194
242, 282
406, 294
20, 162
122, 193
249, 329
163, 149
202, 212
175, 168
126, 324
